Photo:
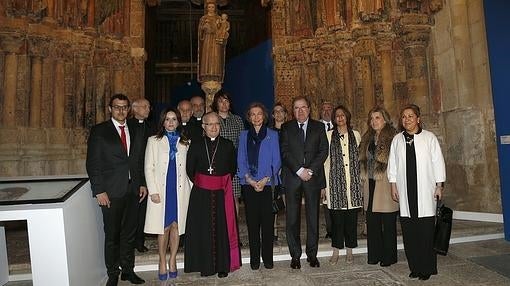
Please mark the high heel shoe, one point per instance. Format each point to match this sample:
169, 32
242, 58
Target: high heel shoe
163, 277
172, 274
333, 260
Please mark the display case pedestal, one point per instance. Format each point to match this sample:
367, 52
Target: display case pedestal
66, 239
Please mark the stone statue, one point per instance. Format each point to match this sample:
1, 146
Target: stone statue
213, 32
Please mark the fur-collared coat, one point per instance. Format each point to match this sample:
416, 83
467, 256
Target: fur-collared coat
382, 201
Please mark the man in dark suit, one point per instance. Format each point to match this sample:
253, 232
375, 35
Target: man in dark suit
141, 109
326, 110
115, 168
304, 148
199, 108
192, 127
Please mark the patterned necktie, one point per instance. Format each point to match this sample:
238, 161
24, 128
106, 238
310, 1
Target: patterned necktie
329, 125
123, 137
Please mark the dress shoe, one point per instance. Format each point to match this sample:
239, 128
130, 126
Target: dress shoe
112, 280
222, 274
255, 266
424, 277
131, 277
328, 235
384, 264
172, 274
268, 265
413, 275
314, 262
373, 262
295, 263
142, 248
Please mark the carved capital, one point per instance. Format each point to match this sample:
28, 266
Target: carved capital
414, 29
12, 42
39, 46
416, 37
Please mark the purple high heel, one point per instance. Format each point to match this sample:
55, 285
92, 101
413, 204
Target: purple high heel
172, 274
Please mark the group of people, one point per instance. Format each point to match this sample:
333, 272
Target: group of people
187, 179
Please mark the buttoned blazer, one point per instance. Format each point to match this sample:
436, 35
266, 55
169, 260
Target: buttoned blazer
109, 167
156, 167
309, 154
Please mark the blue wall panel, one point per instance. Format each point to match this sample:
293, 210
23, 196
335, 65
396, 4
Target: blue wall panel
497, 23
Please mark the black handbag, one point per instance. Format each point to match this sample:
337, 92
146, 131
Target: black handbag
278, 203
443, 228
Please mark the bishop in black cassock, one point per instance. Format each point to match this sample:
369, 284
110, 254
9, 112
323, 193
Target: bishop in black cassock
212, 241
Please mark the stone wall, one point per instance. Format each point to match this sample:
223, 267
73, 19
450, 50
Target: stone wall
394, 52
60, 61
460, 53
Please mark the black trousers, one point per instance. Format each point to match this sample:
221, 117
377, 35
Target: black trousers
344, 226
381, 233
382, 237
140, 235
327, 219
119, 228
260, 220
418, 236
293, 221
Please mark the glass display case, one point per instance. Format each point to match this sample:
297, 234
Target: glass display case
64, 226
38, 191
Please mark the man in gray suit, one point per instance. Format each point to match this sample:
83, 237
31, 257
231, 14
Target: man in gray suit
304, 149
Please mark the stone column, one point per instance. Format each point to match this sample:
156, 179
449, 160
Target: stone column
462, 47
126, 16
50, 16
59, 94
118, 82
10, 79
36, 92
415, 38
48, 75
81, 74
348, 79
91, 12
384, 48
11, 44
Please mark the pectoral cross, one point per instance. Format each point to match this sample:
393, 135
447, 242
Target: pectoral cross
210, 170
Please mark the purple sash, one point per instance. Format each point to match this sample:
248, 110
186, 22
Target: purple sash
224, 183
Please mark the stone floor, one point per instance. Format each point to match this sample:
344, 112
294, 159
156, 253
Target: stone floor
484, 261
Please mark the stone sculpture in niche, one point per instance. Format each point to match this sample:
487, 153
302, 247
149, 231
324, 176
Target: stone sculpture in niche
213, 32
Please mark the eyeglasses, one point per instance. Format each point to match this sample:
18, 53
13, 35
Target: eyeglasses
120, 107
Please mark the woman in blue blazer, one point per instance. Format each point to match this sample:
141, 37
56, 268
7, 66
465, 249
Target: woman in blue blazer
258, 161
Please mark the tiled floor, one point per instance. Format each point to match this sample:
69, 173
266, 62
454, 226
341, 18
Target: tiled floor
467, 263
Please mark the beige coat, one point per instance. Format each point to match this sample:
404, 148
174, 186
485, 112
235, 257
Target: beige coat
382, 202
156, 166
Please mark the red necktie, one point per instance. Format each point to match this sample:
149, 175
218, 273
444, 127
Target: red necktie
123, 137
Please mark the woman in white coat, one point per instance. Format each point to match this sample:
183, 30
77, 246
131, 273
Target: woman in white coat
416, 172
169, 188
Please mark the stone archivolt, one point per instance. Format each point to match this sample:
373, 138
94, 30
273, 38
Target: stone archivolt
60, 61
360, 52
